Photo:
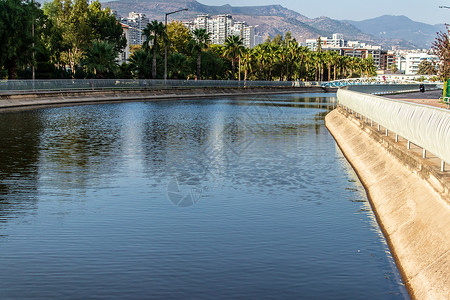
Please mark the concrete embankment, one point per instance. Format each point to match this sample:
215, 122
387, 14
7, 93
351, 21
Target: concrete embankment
30, 99
411, 203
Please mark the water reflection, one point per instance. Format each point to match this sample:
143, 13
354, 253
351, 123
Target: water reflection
19, 155
224, 198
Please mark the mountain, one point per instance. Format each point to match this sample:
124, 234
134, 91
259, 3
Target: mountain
392, 27
270, 19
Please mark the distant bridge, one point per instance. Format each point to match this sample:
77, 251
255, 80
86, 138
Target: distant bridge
367, 81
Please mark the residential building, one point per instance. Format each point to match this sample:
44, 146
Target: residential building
222, 26
414, 59
387, 60
136, 22
125, 54
336, 41
382, 58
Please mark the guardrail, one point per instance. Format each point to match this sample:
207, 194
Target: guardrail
446, 100
381, 89
425, 126
114, 84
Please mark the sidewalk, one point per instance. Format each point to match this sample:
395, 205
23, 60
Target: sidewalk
428, 98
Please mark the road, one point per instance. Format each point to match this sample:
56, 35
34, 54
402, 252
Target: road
428, 98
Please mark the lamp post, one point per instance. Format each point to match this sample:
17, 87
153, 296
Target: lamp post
165, 44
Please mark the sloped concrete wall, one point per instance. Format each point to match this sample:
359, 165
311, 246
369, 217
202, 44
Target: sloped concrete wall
414, 215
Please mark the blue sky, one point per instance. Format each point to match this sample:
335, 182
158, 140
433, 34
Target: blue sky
426, 11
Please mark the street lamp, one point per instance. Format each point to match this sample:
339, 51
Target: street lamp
165, 44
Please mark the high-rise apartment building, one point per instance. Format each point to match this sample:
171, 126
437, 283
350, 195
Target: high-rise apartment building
223, 26
136, 22
382, 58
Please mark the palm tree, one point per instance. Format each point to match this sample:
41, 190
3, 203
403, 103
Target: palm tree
100, 58
177, 65
153, 32
284, 58
352, 65
273, 55
368, 66
308, 62
260, 54
330, 59
295, 54
335, 58
247, 60
233, 49
200, 42
140, 63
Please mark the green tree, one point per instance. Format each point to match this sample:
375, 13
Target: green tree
153, 32
278, 39
178, 36
394, 68
319, 45
213, 66
141, 64
105, 27
101, 59
247, 59
233, 49
261, 55
16, 40
441, 48
199, 42
426, 68
177, 65
77, 33
368, 66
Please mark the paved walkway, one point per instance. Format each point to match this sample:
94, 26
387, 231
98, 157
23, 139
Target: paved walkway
428, 98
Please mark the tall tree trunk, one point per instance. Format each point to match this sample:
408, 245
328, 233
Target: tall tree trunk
233, 68
316, 77
199, 64
11, 66
329, 72
287, 72
154, 63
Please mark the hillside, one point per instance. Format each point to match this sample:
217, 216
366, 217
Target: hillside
270, 19
390, 27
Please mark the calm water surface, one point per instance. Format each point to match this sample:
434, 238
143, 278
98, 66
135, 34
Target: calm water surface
230, 198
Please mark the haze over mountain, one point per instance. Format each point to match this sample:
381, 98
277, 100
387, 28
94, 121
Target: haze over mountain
276, 19
391, 27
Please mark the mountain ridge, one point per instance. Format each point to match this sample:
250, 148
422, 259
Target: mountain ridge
391, 26
271, 20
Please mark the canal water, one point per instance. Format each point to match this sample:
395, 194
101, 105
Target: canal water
233, 198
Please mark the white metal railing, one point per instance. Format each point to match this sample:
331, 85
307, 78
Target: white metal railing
425, 126
446, 100
8, 86
382, 89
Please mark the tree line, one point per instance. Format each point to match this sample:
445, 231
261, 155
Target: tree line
74, 39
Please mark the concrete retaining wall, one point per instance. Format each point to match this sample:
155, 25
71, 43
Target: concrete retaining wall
412, 208
15, 100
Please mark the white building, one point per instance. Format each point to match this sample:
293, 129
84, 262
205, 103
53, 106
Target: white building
223, 26
414, 59
125, 54
336, 41
137, 22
